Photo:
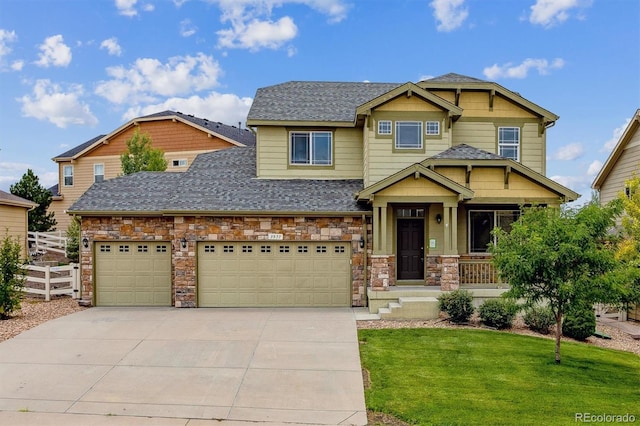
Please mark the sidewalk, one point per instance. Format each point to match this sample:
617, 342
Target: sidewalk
628, 327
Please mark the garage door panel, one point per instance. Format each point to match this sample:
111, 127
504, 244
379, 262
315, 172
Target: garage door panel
133, 274
274, 274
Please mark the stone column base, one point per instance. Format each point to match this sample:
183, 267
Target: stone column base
383, 271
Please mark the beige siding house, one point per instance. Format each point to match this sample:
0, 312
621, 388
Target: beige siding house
14, 218
622, 164
182, 137
352, 190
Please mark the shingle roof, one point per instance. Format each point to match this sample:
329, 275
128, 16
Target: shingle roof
466, 152
55, 190
244, 136
73, 151
221, 181
10, 199
454, 78
314, 100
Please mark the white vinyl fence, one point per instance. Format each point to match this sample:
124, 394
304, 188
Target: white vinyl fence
42, 242
53, 280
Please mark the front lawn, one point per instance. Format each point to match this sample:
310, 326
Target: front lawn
443, 376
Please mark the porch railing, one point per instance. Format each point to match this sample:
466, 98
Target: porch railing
478, 271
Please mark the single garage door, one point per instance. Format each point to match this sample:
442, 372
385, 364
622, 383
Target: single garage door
242, 274
133, 273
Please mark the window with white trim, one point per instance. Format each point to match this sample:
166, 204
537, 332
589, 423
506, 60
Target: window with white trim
384, 127
408, 135
67, 173
482, 222
313, 148
509, 142
432, 128
98, 172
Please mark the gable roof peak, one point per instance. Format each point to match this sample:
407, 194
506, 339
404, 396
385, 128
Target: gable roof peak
455, 78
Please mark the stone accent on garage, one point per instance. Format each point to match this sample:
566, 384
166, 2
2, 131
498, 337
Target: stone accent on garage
210, 228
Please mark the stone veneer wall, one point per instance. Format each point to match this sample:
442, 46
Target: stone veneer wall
205, 228
383, 271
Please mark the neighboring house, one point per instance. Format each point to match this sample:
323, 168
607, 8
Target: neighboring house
622, 164
14, 218
351, 187
182, 137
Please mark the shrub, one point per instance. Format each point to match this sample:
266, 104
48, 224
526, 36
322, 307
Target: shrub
10, 270
579, 321
539, 319
73, 240
458, 305
498, 313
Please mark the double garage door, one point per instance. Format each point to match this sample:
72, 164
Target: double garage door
230, 274
274, 274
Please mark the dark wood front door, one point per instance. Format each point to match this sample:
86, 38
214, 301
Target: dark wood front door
410, 249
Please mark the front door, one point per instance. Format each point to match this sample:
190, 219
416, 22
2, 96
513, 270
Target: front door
410, 249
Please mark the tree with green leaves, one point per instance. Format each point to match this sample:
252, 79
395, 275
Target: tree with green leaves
141, 156
73, 240
11, 276
558, 257
28, 187
628, 253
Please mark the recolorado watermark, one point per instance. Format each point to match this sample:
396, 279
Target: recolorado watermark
604, 418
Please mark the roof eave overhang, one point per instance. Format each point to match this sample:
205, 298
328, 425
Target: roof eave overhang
615, 154
306, 123
16, 203
226, 213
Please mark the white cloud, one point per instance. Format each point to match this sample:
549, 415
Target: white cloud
509, 70
224, 107
576, 183
63, 108
569, 152
450, 14
256, 34
17, 65
11, 173
6, 37
426, 77
549, 13
54, 52
187, 29
128, 7
149, 78
615, 137
112, 46
594, 168
253, 28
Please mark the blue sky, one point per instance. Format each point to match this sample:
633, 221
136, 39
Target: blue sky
71, 70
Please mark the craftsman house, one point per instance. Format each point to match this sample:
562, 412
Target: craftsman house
182, 137
350, 188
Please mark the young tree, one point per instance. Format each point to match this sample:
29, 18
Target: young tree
10, 271
141, 156
29, 188
73, 240
558, 257
628, 253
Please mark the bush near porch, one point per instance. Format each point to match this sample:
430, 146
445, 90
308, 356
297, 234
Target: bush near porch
445, 376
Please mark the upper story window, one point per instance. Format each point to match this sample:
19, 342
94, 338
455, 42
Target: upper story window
67, 173
384, 127
179, 163
98, 172
409, 134
313, 148
432, 128
509, 142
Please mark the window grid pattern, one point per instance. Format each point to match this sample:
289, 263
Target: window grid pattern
432, 128
384, 127
311, 148
509, 142
408, 135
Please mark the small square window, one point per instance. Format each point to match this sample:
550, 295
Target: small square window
179, 163
321, 249
284, 249
209, 249
432, 128
247, 249
384, 127
105, 249
123, 249
143, 249
161, 249
227, 249
303, 249
265, 249
338, 249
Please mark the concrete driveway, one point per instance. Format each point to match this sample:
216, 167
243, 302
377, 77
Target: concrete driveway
236, 365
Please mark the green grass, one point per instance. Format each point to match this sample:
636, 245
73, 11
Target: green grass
444, 376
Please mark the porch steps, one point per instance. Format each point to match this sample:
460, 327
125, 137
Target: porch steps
412, 307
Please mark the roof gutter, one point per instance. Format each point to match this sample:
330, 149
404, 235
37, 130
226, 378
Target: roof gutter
251, 213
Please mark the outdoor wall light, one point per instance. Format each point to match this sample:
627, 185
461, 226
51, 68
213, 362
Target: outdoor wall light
183, 242
439, 218
361, 242
85, 242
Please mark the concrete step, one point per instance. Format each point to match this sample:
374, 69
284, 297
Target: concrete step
411, 308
